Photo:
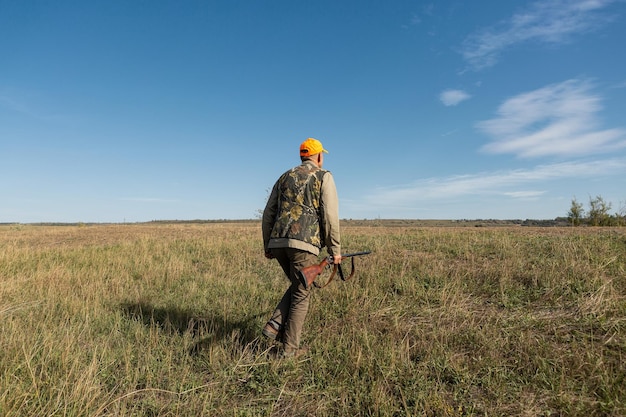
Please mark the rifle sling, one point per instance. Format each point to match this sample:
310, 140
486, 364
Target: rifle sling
332, 276
351, 272
329, 279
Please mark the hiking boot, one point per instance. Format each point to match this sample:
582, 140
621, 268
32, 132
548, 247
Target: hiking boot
272, 333
295, 353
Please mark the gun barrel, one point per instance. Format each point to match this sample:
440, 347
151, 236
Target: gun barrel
348, 255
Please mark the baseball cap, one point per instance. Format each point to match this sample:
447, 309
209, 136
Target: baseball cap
311, 147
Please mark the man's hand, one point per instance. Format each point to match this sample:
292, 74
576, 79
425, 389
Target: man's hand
269, 255
336, 259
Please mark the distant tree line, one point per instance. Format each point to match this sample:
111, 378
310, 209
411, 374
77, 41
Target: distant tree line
597, 214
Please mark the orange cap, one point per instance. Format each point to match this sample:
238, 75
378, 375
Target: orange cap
311, 147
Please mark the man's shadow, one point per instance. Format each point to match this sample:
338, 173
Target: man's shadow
204, 330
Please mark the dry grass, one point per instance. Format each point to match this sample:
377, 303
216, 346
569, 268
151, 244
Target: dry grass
164, 320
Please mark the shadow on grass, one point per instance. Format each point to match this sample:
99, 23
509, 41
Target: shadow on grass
205, 330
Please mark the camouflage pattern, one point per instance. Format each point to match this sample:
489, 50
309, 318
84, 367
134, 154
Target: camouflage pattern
299, 198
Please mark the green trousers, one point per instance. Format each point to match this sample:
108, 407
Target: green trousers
293, 307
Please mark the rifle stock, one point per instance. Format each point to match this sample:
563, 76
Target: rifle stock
309, 274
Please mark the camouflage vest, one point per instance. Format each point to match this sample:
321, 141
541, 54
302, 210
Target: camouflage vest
299, 197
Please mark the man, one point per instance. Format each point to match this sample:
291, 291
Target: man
300, 218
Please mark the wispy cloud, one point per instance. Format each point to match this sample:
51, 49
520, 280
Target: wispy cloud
11, 104
426, 10
525, 194
551, 22
502, 183
149, 200
453, 97
557, 120
23, 105
620, 85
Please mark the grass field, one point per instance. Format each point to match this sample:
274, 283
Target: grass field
165, 319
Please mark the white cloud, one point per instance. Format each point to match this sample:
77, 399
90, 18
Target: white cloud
620, 85
552, 22
11, 104
149, 200
557, 120
24, 106
527, 194
502, 183
416, 20
453, 97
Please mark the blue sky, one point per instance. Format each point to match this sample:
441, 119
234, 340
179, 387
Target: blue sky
114, 111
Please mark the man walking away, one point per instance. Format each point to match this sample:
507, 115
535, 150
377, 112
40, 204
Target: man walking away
301, 217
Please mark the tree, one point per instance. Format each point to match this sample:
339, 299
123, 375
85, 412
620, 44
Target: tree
621, 215
599, 212
258, 213
576, 213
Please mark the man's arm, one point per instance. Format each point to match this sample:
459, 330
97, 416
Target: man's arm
330, 217
269, 217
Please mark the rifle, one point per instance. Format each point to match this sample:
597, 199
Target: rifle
308, 274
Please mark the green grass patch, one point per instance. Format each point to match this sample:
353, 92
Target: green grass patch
165, 320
